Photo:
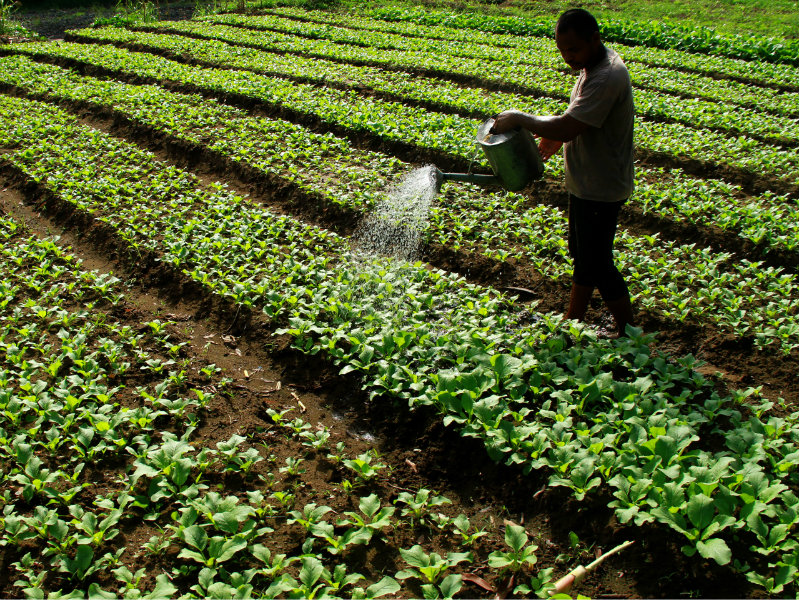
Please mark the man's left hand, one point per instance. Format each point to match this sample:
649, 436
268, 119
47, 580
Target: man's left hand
548, 147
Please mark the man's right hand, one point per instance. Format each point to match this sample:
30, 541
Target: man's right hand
505, 121
548, 147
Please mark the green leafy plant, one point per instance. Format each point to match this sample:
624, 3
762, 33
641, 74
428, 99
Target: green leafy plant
431, 568
521, 554
209, 551
463, 528
364, 466
417, 507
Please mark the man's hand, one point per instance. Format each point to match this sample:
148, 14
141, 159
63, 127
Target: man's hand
508, 120
563, 128
548, 147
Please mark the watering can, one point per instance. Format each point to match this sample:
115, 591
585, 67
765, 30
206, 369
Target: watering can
513, 156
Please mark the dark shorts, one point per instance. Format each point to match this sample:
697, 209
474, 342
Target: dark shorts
592, 229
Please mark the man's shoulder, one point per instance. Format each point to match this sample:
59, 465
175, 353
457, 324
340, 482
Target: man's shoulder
616, 63
615, 72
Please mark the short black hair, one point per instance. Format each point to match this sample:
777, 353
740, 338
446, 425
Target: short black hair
578, 20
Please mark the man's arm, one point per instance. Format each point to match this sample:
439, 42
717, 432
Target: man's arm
563, 128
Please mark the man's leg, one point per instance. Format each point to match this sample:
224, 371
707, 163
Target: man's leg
578, 301
622, 311
612, 286
580, 219
592, 230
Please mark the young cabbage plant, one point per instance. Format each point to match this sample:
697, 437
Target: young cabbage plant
208, 587
703, 522
385, 586
234, 459
520, 554
363, 466
311, 515
293, 466
372, 519
463, 528
431, 570
418, 507
337, 544
95, 531
209, 551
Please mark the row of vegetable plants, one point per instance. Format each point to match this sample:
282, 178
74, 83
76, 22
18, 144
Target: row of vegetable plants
668, 135
439, 131
79, 391
767, 76
690, 112
703, 41
84, 394
758, 220
538, 73
541, 393
500, 225
62, 352
670, 77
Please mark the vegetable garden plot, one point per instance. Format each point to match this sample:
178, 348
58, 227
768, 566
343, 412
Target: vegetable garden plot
392, 324
767, 219
541, 72
499, 227
673, 142
649, 36
210, 52
87, 397
610, 421
772, 222
67, 412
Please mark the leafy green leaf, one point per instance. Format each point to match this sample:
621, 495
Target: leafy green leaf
196, 537
715, 548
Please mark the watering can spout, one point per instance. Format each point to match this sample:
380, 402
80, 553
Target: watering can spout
476, 178
513, 156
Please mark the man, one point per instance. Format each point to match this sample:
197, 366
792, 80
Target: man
596, 133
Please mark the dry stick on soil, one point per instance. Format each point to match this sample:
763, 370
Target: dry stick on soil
576, 575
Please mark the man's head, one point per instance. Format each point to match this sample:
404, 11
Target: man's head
577, 37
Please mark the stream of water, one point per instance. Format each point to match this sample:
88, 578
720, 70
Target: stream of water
395, 227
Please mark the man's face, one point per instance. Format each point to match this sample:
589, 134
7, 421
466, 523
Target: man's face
576, 51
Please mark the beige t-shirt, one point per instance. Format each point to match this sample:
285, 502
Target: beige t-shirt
599, 161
